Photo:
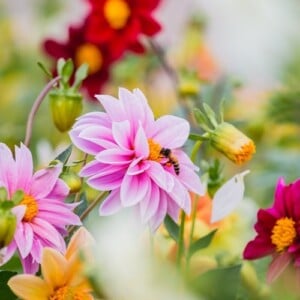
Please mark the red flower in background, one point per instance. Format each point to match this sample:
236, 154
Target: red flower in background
98, 57
278, 230
121, 23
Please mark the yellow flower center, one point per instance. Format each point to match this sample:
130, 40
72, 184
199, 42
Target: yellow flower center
154, 151
31, 208
91, 55
245, 152
283, 233
116, 13
68, 293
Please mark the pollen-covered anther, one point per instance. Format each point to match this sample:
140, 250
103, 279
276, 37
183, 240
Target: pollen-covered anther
154, 151
283, 233
31, 207
116, 13
66, 292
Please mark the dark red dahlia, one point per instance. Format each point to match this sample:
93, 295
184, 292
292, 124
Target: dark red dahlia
98, 57
278, 230
121, 23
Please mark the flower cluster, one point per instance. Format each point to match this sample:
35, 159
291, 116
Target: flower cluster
110, 28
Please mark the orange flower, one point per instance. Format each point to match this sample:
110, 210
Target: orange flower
63, 277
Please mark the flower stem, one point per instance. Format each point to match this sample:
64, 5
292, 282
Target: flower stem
36, 106
159, 52
99, 198
181, 249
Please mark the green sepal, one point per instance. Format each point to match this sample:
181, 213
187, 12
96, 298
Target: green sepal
80, 75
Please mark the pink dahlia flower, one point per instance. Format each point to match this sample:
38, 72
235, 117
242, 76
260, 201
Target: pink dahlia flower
131, 158
278, 230
42, 214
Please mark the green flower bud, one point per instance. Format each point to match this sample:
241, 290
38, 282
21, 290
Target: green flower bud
8, 224
65, 109
72, 180
232, 143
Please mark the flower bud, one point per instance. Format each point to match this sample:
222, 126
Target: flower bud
72, 180
232, 143
8, 223
65, 109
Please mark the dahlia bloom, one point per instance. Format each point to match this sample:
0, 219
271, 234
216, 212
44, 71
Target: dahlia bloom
63, 276
121, 23
76, 47
278, 230
127, 144
42, 215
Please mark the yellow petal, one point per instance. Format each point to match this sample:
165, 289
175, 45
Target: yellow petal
29, 287
54, 266
81, 239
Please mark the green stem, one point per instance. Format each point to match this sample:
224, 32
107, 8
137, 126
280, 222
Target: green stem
100, 197
36, 106
181, 248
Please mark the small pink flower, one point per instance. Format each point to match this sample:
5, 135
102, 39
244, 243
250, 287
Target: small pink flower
127, 144
42, 214
278, 231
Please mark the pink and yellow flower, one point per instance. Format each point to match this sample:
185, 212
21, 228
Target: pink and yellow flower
278, 230
63, 275
42, 214
126, 142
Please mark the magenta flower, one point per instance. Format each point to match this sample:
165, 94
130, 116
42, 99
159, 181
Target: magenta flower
137, 158
42, 214
278, 230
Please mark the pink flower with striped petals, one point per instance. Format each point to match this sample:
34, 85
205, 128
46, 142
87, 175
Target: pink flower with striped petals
42, 214
130, 158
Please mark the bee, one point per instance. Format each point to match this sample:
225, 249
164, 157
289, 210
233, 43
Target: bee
172, 160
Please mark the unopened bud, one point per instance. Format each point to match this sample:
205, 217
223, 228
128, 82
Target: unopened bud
8, 224
232, 143
65, 109
72, 180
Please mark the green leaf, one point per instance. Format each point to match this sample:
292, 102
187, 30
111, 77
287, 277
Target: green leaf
60, 65
80, 75
201, 119
172, 228
6, 293
64, 156
44, 69
221, 283
67, 71
210, 114
201, 243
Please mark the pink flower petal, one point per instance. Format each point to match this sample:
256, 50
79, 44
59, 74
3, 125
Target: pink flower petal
113, 107
171, 132
44, 180
115, 156
111, 204
258, 248
122, 135
161, 212
180, 195
138, 166
30, 266
107, 182
91, 168
173, 209
24, 238
162, 178
24, 168
8, 169
141, 146
134, 189
278, 265
149, 205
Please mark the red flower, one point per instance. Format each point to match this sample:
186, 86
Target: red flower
98, 57
121, 23
278, 230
